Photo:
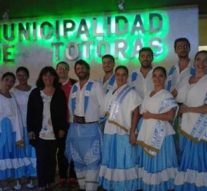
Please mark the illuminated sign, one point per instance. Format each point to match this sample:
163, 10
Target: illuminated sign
89, 38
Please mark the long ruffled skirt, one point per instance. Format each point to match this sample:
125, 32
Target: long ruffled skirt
192, 173
14, 162
119, 170
158, 172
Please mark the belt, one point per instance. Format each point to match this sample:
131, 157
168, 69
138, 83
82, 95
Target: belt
81, 120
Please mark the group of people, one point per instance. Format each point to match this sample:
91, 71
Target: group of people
125, 132
33, 128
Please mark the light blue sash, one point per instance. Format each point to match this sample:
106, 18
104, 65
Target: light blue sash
159, 130
158, 135
115, 107
110, 83
134, 76
169, 82
199, 130
86, 96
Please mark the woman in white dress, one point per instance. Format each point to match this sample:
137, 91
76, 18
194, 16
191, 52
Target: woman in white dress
118, 167
14, 163
21, 93
158, 156
192, 173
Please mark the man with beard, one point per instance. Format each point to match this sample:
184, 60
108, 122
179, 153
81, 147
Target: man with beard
83, 144
108, 81
141, 79
180, 71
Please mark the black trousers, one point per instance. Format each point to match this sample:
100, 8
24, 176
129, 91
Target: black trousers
46, 161
63, 162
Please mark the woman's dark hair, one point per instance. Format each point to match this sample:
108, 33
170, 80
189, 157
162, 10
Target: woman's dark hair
48, 69
200, 52
162, 69
122, 67
24, 69
9, 74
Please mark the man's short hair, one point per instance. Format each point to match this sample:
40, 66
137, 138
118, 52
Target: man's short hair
182, 39
82, 62
144, 49
64, 63
108, 56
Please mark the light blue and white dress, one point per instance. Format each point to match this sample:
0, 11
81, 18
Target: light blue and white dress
158, 162
13, 160
84, 140
118, 170
22, 100
192, 173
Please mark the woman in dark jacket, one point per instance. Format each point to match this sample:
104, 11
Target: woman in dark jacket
46, 122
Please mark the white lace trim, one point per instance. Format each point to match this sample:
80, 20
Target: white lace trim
192, 177
14, 163
118, 174
157, 178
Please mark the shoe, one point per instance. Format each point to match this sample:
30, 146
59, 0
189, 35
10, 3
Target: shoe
30, 186
17, 187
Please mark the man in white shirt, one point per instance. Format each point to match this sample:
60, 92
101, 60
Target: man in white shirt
141, 78
183, 69
84, 138
177, 76
108, 81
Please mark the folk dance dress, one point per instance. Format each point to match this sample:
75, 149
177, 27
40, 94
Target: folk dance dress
22, 100
13, 160
84, 139
158, 161
119, 158
192, 173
